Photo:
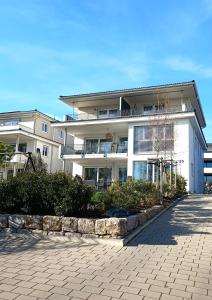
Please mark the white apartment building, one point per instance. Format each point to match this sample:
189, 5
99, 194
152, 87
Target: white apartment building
116, 134
208, 166
30, 131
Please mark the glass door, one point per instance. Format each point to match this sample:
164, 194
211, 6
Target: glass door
91, 146
122, 174
91, 174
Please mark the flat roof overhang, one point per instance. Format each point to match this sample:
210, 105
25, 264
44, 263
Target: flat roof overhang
10, 136
187, 89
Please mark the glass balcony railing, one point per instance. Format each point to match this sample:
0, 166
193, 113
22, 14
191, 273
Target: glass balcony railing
126, 113
105, 148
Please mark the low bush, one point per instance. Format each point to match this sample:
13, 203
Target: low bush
132, 196
42, 193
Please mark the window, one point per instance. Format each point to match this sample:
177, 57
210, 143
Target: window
45, 150
113, 113
91, 146
101, 176
44, 127
143, 141
148, 108
105, 145
22, 147
61, 134
208, 178
152, 138
122, 174
140, 170
94, 146
208, 164
91, 174
11, 122
123, 145
102, 114
107, 113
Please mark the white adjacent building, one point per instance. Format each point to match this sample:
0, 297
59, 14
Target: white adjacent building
30, 131
208, 166
117, 134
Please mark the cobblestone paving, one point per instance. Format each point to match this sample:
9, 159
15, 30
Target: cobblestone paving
170, 260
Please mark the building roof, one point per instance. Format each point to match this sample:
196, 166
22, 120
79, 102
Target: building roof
26, 112
131, 90
73, 99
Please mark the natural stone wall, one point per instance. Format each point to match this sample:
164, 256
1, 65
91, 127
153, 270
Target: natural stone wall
71, 226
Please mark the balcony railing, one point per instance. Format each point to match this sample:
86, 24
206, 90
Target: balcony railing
127, 113
106, 148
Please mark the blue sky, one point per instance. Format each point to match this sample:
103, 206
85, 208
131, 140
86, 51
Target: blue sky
61, 47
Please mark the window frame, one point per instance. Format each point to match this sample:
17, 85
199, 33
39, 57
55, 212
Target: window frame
45, 127
150, 138
45, 150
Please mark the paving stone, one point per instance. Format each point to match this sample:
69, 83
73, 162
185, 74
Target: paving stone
129, 296
112, 293
79, 294
23, 297
98, 297
8, 295
6, 287
60, 290
40, 294
22, 290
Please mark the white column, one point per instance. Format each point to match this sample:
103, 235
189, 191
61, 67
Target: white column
64, 142
16, 150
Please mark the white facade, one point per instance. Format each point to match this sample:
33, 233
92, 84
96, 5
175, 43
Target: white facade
116, 134
30, 131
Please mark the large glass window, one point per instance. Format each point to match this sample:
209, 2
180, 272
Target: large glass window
153, 138
208, 164
105, 174
91, 146
105, 145
94, 146
140, 170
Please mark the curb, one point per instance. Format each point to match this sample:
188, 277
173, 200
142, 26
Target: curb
132, 235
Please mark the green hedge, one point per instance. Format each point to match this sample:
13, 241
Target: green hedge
61, 194
42, 193
132, 195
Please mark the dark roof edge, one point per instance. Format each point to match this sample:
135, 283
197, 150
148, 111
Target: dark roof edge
128, 90
199, 103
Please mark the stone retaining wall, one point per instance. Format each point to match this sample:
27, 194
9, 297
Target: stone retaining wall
68, 226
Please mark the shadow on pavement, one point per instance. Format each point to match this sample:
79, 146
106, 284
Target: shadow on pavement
18, 242
190, 216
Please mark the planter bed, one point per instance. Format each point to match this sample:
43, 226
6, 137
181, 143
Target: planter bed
114, 228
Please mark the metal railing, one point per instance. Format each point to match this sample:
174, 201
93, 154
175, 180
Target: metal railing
106, 148
127, 113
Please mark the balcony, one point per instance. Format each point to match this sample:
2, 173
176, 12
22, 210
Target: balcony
129, 113
102, 148
15, 127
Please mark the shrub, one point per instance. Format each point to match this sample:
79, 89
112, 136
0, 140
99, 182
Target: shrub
101, 201
42, 193
132, 196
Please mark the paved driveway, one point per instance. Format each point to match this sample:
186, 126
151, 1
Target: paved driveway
169, 260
